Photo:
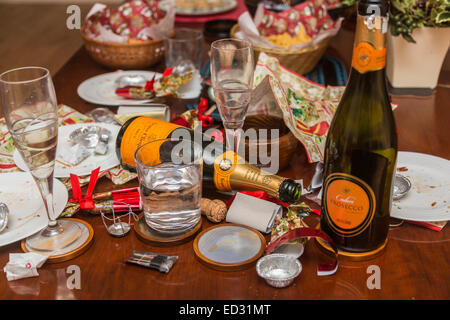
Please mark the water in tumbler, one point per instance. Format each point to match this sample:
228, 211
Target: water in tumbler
172, 196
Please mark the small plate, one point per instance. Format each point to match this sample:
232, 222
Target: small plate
226, 5
429, 197
84, 168
101, 89
27, 213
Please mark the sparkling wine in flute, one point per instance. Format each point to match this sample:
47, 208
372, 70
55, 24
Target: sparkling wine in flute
29, 104
36, 140
361, 147
222, 168
232, 97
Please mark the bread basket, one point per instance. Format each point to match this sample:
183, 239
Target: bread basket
300, 61
115, 55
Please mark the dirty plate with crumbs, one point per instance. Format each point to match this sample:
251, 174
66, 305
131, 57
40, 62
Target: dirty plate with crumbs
429, 197
27, 214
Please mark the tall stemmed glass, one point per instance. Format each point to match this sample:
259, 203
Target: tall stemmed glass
29, 105
232, 79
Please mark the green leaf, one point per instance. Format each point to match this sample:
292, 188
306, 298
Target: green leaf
408, 38
349, 2
399, 5
443, 17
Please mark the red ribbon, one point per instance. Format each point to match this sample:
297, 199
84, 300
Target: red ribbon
202, 107
260, 195
167, 72
149, 85
298, 233
85, 202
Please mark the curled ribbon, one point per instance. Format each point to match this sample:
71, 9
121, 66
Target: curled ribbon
85, 202
204, 119
298, 233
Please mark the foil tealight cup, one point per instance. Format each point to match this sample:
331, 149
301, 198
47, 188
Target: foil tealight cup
279, 270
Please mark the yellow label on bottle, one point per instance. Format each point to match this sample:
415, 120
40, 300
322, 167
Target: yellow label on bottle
224, 166
367, 58
141, 131
349, 204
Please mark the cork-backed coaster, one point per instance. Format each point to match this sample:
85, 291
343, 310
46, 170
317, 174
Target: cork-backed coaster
150, 236
81, 244
229, 247
352, 256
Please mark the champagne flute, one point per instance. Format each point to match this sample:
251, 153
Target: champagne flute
232, 78
30, 109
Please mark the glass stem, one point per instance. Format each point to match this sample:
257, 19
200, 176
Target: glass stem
233, 139
46, 188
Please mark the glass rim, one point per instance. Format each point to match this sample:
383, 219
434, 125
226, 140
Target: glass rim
197, 35
45, 75
156, 166
248, 44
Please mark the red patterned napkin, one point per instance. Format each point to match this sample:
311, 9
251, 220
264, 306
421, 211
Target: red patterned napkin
312, 15
131, 21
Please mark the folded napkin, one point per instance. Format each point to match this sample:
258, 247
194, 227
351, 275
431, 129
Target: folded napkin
23, 265
253, 212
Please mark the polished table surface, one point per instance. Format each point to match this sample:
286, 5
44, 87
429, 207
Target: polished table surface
415, 264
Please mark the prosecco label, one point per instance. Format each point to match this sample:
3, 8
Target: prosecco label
349, 204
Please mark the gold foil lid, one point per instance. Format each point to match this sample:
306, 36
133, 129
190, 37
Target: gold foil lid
156, 111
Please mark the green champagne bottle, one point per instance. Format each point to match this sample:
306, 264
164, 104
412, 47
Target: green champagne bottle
361, 146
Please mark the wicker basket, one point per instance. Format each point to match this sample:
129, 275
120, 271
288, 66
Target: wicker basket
125, 55
300, 61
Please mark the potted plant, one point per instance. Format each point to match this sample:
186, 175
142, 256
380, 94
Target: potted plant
418, 41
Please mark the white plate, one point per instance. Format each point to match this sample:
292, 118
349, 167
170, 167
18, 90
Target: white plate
107, 161
429, 197
101, 89
228, 5
27, 213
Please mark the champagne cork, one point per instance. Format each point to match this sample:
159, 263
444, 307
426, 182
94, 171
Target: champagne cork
214, 210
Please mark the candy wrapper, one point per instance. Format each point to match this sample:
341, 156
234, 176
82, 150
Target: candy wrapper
306, 107
132, 21
167, 84
298, 27
292, 220
194, 117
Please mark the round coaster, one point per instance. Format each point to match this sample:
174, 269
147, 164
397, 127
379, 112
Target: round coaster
353, 256
150, 236
229, 247
80, 245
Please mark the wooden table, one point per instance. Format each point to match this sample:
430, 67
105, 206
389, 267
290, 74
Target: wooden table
415, 264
